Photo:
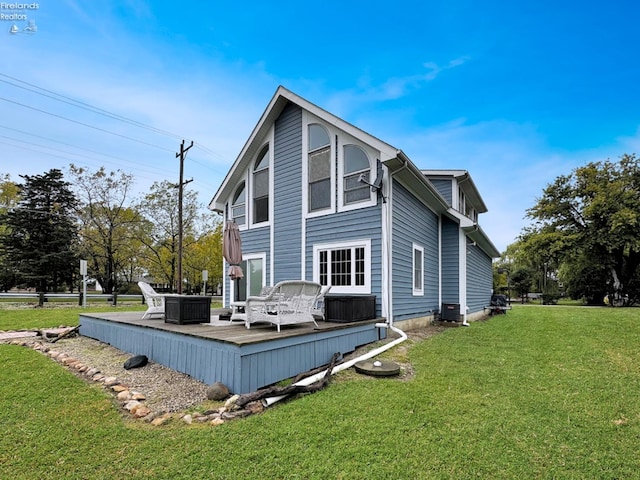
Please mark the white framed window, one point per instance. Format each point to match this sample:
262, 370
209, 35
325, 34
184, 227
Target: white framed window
354, 163
344, 266
238, 205
461, 202
319, 168
418, 270
356, 167
261, 187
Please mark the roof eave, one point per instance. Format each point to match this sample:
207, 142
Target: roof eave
401, 167
478, 235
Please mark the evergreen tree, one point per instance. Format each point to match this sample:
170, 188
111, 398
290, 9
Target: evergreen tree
41, 233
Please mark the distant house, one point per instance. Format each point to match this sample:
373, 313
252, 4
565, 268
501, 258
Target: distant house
316, 198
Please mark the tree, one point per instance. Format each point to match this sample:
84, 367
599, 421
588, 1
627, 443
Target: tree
9, 197
521, 282
42, 235
160, 208
594, 214
109, 227
205, 254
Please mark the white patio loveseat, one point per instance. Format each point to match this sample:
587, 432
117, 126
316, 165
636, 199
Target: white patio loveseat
288, 302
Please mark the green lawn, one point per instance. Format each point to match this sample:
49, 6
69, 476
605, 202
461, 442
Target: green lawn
542, 392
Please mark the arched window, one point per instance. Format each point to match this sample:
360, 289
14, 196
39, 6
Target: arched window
319, 168
238, 210
261, 187
356, 166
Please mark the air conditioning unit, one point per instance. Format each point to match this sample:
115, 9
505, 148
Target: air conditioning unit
450, 312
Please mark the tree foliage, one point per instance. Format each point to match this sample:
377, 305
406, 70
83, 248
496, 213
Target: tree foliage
590, 219
40, 243
9, 197
46, 226
160, 207
108, 225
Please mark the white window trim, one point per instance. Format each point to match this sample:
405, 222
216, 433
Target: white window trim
251, 256
372, 154
417, 291
230, 217
359, 289
308, 119
250, 172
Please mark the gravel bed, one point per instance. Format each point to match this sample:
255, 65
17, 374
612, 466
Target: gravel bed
166, 390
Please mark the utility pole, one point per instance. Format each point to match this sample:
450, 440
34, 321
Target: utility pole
181, 154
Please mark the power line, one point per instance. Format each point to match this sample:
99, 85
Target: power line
90, 160
127, 162
85, 124
85, 106
35, 89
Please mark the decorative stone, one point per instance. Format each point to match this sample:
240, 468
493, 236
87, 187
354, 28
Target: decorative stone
216, 421
109, 381
161, 420
131, 405
188, 419
218, 391
119, 388
124, 395
141, 411
138, 396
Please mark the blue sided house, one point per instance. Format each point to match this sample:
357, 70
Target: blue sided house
318, 199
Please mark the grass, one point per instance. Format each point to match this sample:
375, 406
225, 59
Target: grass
24, 316
542, 392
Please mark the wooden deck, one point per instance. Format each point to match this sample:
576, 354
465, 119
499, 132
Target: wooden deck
244, 360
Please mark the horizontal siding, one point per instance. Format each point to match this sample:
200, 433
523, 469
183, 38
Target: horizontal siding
479, 279
288, 194
445, 188
413, 223
361, 224
450, 262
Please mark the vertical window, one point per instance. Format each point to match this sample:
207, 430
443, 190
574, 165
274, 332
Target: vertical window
356, 166
418, 270
319, 168
238, 210
461, 202
253, 280
261, 187
346, 268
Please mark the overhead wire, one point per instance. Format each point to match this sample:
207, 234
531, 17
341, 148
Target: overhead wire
35, 89
126, 162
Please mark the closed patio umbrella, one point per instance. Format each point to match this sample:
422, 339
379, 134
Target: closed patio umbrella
232, 250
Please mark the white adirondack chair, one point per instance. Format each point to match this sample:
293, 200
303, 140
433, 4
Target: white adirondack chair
155, 301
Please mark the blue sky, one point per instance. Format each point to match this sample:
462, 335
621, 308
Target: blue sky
516, 93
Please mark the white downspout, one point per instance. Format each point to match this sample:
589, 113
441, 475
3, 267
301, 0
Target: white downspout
389, 323
343, 366
464, 317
